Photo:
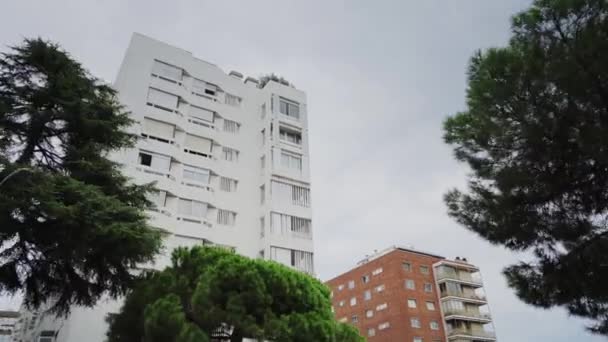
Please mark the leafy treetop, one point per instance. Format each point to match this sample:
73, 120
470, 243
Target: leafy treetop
535, 134
64, 206
210, 293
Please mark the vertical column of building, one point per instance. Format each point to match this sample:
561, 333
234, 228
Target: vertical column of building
286, 228
463, 302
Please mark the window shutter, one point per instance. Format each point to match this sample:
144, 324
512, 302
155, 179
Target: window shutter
158, 129
282, 255
199, 144
162, 98
160, 162
166, 70
199, 86
196, 174
201, 113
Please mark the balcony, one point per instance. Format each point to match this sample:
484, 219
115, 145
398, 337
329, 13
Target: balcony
466, 297
467, 315
468, 334
460, 277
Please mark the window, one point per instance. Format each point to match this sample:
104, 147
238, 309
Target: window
289, 108
230, 154
291, 161
231, 126
157, 130
196, 174
167, 71
262, 194
228, 184
284, 224
384, 325
415, 322
158, 162
263, 231
263, 162
353, 301
434, 325
343, 320
290, 136
417, 339
145, 159
300, 260
407, 266
232, 100
192, 208
263, 137
381, 307
354, 319
369, 313
202, 88
297, 195
226, 217
162, 100
377, 271
424, 269
351, 284
365, 279
411, 303
263, 111
367, 295
410, 285
428, 287
198, 145
430, 306
379, 288
201, 116
341, 303
371, 332
452, 305
340, 287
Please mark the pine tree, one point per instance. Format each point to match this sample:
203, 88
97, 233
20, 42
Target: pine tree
535, 135
71, 225
209, 293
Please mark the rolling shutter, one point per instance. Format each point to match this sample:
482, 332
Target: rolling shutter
198, 144
158, 129
162, 99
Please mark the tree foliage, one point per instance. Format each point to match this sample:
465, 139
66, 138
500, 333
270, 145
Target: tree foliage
71, 226
213, 293
535, 135
273, 77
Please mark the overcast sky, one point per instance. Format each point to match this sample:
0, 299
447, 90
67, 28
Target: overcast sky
381, 76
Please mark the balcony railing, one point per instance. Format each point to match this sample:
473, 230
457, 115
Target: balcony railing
461, 294
467, 313
470, 333
459, 276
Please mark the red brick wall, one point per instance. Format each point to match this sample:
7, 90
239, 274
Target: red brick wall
398, 314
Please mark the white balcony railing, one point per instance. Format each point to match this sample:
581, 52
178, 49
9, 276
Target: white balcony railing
465, 277
456, 332
468, 314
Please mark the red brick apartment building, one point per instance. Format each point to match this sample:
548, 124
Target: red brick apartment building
404, 295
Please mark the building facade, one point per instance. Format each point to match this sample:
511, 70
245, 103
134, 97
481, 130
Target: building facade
229, 157
401, 294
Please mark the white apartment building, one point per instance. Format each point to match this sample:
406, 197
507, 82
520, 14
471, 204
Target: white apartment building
228, 155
